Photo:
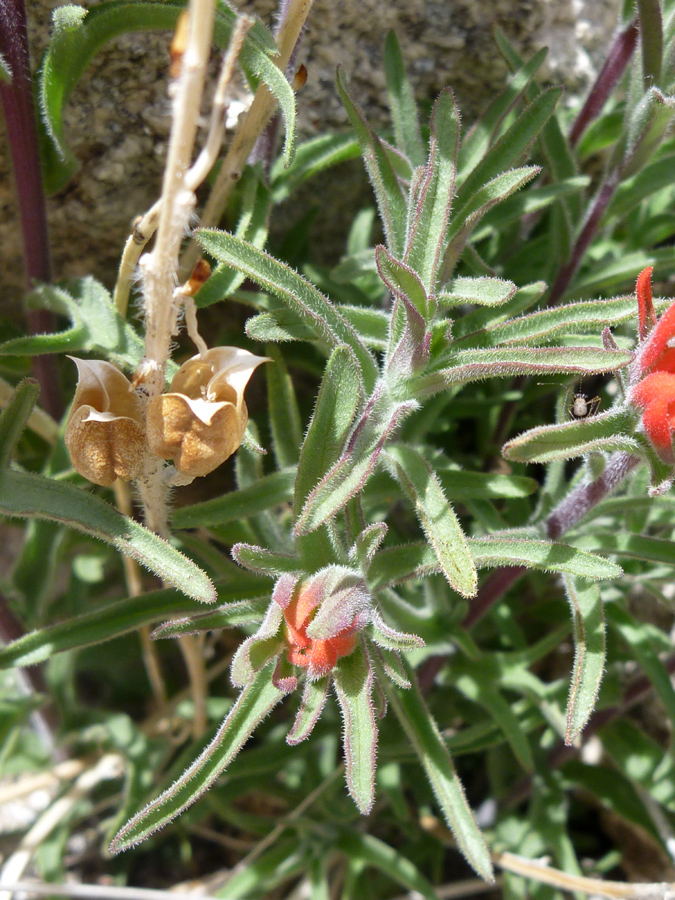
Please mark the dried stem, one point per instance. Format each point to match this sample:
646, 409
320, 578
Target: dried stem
249, 130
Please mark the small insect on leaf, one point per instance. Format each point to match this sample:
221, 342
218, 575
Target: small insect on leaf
583, 407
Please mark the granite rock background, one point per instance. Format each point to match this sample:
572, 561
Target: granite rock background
117, 119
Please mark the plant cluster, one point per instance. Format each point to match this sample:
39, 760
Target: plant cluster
372, 490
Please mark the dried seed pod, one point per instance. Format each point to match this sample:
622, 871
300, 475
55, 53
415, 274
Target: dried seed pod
104, 434
202, 420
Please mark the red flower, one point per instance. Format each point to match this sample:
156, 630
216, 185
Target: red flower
319, 656
654, 393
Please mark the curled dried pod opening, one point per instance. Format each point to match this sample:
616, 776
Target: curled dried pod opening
201, 421
104, 433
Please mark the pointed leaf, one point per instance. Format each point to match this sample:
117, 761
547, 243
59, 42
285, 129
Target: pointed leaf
283, 411
367, 545
32, 496
245, 612
480, 291
353, 680
302, 297
403, 282
589, 653
436, 516
269, 491
255, 702
390, 200
263, 561
311, 706
402, 103
513, 550
603, 433
388, 638
476, 365
427, 742
311, 157
430, 208
14, 418
117, 619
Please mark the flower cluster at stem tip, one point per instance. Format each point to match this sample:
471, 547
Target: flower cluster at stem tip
197, 424
653, 374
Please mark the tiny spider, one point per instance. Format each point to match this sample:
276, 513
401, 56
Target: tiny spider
583, 408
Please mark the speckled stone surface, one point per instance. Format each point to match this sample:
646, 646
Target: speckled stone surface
117, 118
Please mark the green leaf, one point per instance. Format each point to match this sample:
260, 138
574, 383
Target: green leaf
402, 103
655, 177
427, 742
649, 123
651, 40
96, 326
263, 561
302, 297
589, 653
14, 417
268, 492
79, 33
431, 197
436, 516
336, 406
245, 612
253, 226
513, 550
313, 700
646, 654
32, 496
476, 365
390, 200
482, 134
284, 414
255, 702
124, 616
635, 546
604, 433
466, 218
480, 291
572, 319
641, 759
403, 282
311, 158
458, 484
353, 680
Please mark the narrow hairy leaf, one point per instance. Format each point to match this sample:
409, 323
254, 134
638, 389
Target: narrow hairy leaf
302, 297
367, 544
267, 492
477, 141
402, 103
480, 291
427, 742
513, 550
458, 484
390, 199
605, 432
589, 653
120, 618
353, 680
32, 496
401, 563
632, 546
255, 702
430, 205
651, 40
14, 417
476, 365
311, 157
284, 414
403, 282
313, 700
264, 561
336, 406
466, 218
347, 477
437, 518
245, 612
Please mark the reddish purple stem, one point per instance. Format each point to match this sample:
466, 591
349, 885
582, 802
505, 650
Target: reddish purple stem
17, 102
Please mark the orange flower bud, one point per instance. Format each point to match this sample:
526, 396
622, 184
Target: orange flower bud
202, 420
104, 433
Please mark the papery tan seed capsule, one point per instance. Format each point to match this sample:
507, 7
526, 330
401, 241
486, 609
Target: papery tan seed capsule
202, 420
104, 434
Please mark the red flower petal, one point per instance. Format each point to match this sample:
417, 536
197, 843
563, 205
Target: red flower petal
656, 421
658, 339
643, 291
655, 387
